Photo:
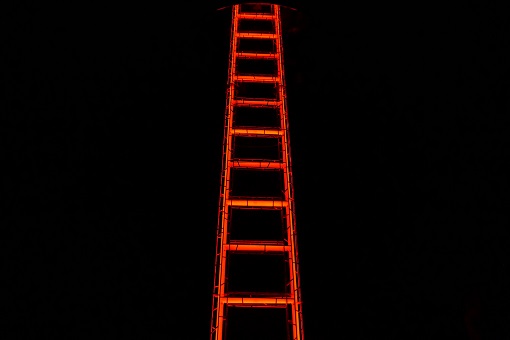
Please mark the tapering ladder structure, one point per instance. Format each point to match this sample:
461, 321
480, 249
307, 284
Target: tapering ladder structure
256, 269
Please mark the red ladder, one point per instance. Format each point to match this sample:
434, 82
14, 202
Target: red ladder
256, 143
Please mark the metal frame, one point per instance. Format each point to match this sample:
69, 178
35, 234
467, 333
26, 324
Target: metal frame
222, 299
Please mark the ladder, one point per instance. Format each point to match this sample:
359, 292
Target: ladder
256, 185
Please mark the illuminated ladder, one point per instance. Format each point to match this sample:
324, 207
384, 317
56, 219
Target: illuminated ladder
260, 149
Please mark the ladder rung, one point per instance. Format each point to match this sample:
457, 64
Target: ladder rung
257, 248
258, 79
256, 102
254, 301
256, 16
254, 35
273, 132
257, 164
256, 203
257, 55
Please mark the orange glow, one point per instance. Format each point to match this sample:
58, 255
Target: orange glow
255, 102
257, 35
257, 132
255, 16
256, 55
256, 203
259, 165
256, 248
287, 246
257, 301
258, 79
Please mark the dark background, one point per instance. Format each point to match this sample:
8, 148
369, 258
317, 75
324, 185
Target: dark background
112, 123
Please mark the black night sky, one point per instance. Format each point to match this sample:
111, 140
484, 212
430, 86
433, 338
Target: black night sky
112, 132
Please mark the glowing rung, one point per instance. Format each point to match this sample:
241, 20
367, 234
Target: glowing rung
258, 79
274, 132
256, 301
257, 55
256, 16
257, 164
256, 35
256, 203
256, 248
256, 103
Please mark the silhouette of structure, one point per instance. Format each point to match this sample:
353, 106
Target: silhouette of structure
256, 289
